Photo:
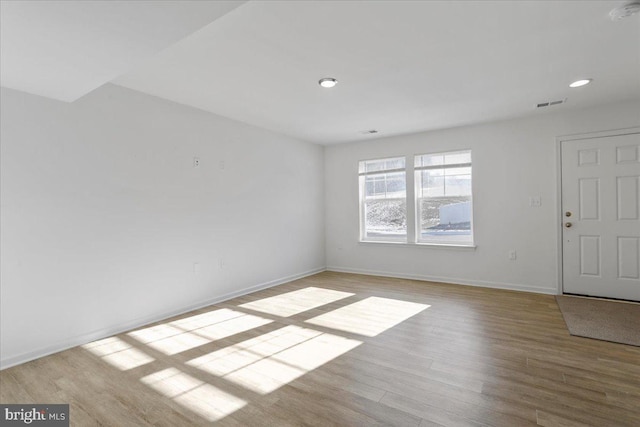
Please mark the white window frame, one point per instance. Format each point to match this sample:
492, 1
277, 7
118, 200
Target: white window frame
417, 198
362, 191
412, 203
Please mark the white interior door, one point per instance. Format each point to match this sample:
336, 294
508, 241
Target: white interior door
601, 216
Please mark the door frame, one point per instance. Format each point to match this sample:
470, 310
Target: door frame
559, 229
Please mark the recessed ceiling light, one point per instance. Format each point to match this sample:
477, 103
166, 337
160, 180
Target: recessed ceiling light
328, 82
579, 83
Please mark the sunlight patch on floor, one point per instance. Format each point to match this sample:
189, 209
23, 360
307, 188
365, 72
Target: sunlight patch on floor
369, 317
266, 363
190, 332
295, 302
168, 339
118, 353
202, 398
205, 319
232, 358
233, 326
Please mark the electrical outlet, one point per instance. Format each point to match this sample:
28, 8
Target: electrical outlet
196, 268
513, 255
221, 164
196, 162
221, 264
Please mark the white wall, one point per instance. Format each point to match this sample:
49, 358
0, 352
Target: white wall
104, 216
512, 160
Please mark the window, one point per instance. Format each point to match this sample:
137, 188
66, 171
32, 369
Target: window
443, 198
440, 204
383, 200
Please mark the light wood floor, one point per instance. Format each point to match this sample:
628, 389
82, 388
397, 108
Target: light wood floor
347, 350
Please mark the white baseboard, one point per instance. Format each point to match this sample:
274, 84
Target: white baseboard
452, 280
123, 327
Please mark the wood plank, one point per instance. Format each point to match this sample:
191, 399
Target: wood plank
475, 357
551, 420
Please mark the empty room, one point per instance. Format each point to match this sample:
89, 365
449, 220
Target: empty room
323, 213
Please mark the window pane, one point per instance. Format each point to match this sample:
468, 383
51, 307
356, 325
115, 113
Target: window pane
457, 171
379, 189
395, 184
457, 185
386, 218
383, 199
381, 165
432, 183
385, 186
394, 163
430, 160
443, 204
369, 187
373, 166
454, 158
445, 219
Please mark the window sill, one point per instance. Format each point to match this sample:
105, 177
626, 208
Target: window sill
452, 246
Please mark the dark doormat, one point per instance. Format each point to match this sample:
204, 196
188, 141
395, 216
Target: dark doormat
615, 321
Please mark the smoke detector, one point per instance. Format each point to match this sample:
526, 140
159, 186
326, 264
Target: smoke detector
625, 11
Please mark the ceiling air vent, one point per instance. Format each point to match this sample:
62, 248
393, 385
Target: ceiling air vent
551, 103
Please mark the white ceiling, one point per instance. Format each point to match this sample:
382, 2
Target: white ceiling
65, 49
402, 67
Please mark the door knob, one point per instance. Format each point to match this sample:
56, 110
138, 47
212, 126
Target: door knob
568, 225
